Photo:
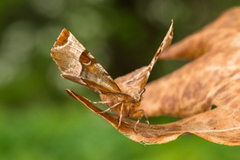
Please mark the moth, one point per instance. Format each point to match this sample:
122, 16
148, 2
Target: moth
122, 95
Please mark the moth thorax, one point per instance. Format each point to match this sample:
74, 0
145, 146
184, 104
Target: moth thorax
137, 97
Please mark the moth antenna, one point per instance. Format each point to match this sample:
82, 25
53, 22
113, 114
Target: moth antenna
142, 91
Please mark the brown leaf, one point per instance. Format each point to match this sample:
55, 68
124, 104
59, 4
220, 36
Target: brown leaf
191, 89
211, 79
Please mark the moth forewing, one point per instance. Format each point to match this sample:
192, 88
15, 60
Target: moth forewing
95, 76
65, 53
133, 83
78, 65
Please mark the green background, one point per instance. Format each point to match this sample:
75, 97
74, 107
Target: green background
38, 120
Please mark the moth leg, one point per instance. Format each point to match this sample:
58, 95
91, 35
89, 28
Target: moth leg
139, 114
120, 117
101, 102
146, 118
110, 108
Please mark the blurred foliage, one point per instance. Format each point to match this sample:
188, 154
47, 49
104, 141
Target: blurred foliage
38, 120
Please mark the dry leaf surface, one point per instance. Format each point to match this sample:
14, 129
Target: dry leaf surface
213, 78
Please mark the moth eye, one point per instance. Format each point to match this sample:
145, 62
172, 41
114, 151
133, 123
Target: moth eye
84, 59
133, 100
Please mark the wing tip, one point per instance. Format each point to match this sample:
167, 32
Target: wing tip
63, 37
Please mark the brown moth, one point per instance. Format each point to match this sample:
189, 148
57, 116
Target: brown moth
122, 95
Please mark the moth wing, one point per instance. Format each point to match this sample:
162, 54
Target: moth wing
133, 83
78, 65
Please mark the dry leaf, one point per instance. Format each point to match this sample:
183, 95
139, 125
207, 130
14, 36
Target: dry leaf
213, 78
